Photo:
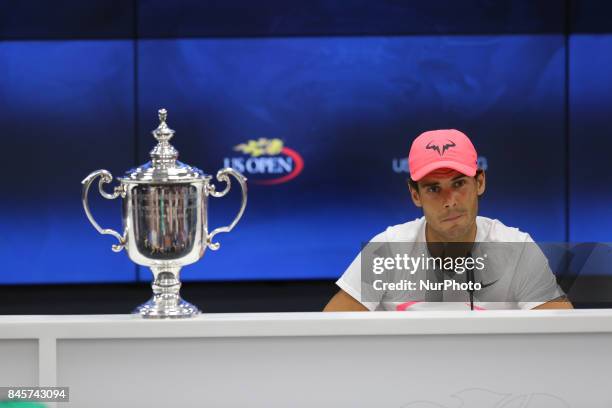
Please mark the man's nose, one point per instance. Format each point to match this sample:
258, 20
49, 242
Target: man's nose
450, 199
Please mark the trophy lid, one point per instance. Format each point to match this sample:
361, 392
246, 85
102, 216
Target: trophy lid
163, 166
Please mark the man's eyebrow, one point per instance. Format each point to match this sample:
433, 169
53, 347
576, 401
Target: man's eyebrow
436, 183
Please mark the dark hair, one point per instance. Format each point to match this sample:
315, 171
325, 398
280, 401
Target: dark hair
415, 186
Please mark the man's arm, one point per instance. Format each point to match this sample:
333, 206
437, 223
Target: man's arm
343, 302
558, 303
534, 280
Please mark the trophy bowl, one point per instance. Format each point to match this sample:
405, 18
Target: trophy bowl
165, 219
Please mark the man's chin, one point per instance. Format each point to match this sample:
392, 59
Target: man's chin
455, 233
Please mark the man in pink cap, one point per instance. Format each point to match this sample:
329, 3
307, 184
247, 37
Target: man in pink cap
446, 183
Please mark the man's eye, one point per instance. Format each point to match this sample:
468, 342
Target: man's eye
459, 183
433, 189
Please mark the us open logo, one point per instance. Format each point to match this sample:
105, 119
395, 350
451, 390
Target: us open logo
266, 161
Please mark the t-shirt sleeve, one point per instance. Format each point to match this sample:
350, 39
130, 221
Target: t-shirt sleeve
359, 285
350, 282
534, 283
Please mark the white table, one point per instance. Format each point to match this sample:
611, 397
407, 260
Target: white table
535, 359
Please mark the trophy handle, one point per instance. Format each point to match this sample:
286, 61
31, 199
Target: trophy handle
222, 175
105, 177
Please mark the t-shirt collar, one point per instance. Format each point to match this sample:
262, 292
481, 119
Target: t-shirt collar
480, 232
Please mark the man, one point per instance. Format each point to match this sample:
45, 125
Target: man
446, 183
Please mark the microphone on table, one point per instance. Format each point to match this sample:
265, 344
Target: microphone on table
470, 280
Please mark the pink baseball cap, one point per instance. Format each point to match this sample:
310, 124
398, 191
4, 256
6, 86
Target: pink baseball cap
444, 148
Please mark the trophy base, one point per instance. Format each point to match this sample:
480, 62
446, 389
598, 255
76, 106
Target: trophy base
166, 301
156, 309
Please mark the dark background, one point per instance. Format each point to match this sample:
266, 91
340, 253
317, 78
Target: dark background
347, 85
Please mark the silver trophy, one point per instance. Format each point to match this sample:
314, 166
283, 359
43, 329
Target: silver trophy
165, 219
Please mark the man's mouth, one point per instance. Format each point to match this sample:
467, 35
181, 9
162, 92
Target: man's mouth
453, 218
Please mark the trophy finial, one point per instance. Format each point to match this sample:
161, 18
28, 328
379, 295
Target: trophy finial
164, 154
163, 133
163, 115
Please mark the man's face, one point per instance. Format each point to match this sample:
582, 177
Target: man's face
450, 203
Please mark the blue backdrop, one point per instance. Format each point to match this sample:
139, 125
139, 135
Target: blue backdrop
344, 90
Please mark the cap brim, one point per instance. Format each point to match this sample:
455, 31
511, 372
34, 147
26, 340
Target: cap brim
460, 167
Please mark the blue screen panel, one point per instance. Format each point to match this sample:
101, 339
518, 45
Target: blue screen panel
591, 141
590, 16
67, 110
263, 18
66, 19
345, 111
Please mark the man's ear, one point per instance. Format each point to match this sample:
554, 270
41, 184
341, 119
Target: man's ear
481, 183
414, 194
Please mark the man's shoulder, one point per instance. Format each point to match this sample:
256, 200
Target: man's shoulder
493, 230
489, 230
406, 232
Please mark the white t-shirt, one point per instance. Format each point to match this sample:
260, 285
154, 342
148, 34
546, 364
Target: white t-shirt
522, 278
